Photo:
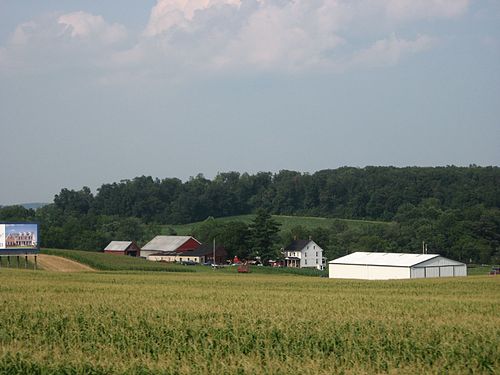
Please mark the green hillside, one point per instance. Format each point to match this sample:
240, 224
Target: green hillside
287, 223
110, 262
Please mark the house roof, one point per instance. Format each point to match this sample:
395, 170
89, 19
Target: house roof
118, 245
384, 259
167, 243
297, 245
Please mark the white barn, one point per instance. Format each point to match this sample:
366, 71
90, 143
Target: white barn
385, 266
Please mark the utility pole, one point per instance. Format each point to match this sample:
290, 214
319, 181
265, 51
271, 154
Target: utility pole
213, 261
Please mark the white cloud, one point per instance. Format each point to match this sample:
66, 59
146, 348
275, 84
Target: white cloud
85, 25
291, 35
415, 9
183, 36
169, 13
54, 41
386, 52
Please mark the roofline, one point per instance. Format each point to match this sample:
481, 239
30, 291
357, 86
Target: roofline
390, 265
307, 243
435, 255
369, 264
386, 265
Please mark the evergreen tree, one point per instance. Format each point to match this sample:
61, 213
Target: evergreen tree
264, 236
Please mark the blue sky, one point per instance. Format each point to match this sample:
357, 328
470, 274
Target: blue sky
18, 228
98, 91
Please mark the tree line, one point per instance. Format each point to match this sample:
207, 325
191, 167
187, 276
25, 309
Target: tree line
455, 209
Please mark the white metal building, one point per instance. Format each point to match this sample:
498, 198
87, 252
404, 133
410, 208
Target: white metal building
384, 266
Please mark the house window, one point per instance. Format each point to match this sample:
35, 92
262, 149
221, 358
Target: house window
316, 261
305, 254
306, 261
316, 253
314, 247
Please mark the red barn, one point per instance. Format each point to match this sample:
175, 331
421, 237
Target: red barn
167, 244
129, 248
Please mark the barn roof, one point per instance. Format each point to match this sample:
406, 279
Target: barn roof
384, 259
206, 249
167, 243
118, 245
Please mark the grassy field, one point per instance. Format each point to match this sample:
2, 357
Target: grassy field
287, 223
192, 323
110, 262
12, 262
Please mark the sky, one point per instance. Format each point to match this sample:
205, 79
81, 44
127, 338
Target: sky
93, 92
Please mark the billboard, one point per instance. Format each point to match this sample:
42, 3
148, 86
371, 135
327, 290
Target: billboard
19, 238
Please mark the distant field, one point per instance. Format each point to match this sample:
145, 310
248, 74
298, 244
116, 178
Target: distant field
287, 223
196, 323
110, 262
474, 270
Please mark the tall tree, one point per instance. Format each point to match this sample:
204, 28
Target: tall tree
264, 236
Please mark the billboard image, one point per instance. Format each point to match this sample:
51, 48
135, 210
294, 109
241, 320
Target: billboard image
19, 238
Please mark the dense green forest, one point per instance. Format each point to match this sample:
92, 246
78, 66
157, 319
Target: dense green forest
456, 210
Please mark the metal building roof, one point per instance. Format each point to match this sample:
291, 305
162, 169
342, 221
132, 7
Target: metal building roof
118, 245
167, 243
384, 259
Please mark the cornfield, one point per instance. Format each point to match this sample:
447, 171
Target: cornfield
188, 323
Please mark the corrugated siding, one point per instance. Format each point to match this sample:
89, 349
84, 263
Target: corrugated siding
461, 270
446, 271
417, 273
431, 271
439, 261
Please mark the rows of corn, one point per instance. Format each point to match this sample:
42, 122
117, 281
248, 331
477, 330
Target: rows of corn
187, 323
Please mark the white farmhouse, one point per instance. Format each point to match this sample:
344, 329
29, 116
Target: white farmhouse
304, 254
384, 266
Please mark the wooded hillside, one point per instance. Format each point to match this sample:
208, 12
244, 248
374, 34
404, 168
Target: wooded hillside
455, 209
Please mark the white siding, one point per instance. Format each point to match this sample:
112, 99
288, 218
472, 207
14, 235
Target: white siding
147, 253
443, 271
431, 271
348, 271
460, 270
386, 273
162, 258
384, 266
308, 254
446, 271
417, 273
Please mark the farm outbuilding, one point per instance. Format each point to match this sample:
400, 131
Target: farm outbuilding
385, 266
129, 248
169, 244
